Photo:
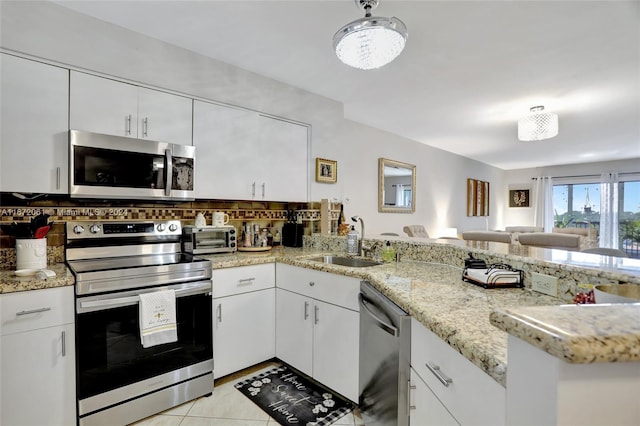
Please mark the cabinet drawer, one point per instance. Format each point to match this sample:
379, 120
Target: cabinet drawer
472, 396
331, 288
230, 281
31, 310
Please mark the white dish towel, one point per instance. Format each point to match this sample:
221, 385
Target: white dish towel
158, 318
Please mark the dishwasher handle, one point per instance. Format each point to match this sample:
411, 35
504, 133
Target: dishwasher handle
385, 326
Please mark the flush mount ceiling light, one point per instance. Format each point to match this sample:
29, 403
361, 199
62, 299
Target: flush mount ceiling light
538, 125
370, 42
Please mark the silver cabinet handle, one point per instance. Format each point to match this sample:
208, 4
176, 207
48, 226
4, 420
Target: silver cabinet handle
247, 280
263, 185
145, 126
219, 313
64, 343
253, 190
411, 387
385, 326
57, 177
32, 311
316, 311
306, 310
127, 128
435, 369
168, 170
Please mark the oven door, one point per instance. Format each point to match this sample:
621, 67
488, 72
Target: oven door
213, 240
112, 365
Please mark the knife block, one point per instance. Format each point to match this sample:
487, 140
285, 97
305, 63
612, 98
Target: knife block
292, 234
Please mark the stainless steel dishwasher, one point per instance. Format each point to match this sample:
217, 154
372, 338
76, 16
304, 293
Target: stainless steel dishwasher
385, 350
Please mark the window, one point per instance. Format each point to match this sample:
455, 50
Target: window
576, 204
629, 217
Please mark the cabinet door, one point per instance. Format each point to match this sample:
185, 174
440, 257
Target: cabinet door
224, 138
164, 117
38, 377
35, 124
294, 330
336, 348
473, 397
102, 105
282, 170
244, 331
425, 409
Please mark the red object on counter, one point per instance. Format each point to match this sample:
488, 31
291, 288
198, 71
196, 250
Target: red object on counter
42, 231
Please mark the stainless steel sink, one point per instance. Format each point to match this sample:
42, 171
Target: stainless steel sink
346, 261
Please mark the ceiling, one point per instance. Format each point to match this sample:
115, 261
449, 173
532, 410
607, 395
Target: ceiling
469, 71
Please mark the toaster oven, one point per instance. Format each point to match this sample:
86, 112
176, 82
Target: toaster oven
209, 239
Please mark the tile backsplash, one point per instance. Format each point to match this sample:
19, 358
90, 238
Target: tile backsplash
61, 209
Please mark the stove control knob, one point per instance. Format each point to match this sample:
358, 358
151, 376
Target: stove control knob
173, 227
161, 227
78, 229
94, 229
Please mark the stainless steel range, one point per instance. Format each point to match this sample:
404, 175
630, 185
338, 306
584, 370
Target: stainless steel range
118, 380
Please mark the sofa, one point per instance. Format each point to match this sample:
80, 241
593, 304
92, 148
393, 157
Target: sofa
498, 236
588, 236
551, 240
515, 231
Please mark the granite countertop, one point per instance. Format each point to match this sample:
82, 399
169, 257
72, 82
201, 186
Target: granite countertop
10, 283
472, 320
578, 334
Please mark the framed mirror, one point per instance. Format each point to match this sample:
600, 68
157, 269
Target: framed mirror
396, 186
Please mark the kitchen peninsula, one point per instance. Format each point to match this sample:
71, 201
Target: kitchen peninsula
482, 325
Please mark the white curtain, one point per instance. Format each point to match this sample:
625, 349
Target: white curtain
609, 210
399, 195
543, 213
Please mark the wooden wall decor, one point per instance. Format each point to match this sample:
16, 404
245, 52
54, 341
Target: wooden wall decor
477, 197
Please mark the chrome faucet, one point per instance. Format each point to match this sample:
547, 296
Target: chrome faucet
361, 248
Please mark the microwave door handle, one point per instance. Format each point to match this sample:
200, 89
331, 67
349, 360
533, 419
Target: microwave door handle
168, 169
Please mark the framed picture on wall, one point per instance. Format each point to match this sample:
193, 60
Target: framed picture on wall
477, 197
326, 170
519, 198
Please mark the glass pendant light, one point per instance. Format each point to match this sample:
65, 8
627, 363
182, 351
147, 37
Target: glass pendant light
370, 42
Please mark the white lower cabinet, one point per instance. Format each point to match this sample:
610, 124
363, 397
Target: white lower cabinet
244, 315
315, 334
38, 358
466, 392
424, 408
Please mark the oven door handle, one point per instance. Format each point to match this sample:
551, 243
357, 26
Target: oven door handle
97, 303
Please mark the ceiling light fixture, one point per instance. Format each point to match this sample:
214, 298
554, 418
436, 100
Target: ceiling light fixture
538, 125
370, 42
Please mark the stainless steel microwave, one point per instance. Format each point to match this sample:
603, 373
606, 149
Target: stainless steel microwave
106, 166
209, 239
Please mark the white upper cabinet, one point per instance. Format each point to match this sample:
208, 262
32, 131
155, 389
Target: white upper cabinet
34, 135
164, 117
243, 155
223, 138
281, 169
111, 107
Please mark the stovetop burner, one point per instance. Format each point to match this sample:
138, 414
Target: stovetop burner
116, 256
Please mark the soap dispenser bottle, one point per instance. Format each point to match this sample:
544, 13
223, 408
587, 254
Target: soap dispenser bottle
388, 253
352, 241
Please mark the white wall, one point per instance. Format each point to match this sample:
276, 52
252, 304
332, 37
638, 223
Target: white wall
48, 31
523, 178
441, 180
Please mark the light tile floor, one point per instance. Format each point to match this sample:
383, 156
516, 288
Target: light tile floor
227, 407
